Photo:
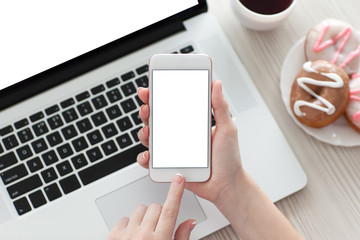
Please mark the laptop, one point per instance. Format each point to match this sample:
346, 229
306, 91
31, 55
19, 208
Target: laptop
69, 115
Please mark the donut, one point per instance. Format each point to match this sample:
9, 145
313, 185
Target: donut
319, 94
334, 41
352, 112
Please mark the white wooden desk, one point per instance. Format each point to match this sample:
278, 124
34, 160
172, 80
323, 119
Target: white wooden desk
329, 206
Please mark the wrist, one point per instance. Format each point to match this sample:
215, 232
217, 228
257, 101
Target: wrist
229, 197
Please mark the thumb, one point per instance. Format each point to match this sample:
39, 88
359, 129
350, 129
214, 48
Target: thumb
219, 104
184, 230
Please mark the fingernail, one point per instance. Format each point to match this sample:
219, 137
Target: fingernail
179, 178
143, 155
140, 132
193, 225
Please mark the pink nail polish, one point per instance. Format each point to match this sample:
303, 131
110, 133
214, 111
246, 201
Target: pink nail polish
193, 225
178, 178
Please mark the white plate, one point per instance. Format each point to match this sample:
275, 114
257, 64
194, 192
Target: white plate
339, 132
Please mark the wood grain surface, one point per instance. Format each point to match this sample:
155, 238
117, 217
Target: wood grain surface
329, 206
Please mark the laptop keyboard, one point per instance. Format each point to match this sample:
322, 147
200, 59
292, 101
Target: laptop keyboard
71, 144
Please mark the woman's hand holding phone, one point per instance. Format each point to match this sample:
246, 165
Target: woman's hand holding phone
226, 162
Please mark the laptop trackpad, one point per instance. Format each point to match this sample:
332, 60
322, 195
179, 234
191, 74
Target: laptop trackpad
123, 201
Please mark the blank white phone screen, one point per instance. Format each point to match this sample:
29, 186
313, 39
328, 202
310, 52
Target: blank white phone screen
180, 118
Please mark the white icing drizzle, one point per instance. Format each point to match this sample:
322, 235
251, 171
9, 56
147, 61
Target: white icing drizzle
329, 109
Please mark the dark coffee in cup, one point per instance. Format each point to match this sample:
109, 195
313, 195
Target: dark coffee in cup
267, 7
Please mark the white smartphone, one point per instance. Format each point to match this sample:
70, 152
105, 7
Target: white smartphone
180, 117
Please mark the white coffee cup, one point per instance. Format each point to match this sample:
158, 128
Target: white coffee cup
259, 21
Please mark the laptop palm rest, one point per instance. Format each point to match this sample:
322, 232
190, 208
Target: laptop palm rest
4, 212
123, 201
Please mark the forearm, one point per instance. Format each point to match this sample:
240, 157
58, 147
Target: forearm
252, 214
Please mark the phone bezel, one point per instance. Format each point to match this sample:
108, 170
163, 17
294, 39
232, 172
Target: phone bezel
180, 62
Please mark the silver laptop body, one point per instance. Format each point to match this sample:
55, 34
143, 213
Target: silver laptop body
90, 179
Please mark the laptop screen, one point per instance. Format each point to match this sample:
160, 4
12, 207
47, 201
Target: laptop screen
40, 34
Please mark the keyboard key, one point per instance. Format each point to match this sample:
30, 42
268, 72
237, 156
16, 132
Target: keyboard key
7, 160
22, 206
79, 144
14, 174
70, 115
128, 105
94, 137
124, 123
187, 49
54, 139
110, 165
94, 154
69, 184
135, 116
99, 118
65, 151
25, 135
109, 147
52, 192
84, 125
10, 142
69, 132
64, 168
134, 133
84, 108
113, 112
49, 175
39, 145
99, 102
142, 69
40, 128
52, 109
138, 100
114, 95
79, 161
82, 96
142, 82
67, 103
24, 186
127, 76
6, 130
36, 116
124, 140
55, 122
112, 82
50, 157
128, 89
109, 130
24, 152
22, 123
97, 89
35, 164
37, 199
1, 149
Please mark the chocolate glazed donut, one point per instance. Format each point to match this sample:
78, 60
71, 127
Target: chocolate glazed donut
319, 94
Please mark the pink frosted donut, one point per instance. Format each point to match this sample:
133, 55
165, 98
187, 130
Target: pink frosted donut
352, 112
336, 42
